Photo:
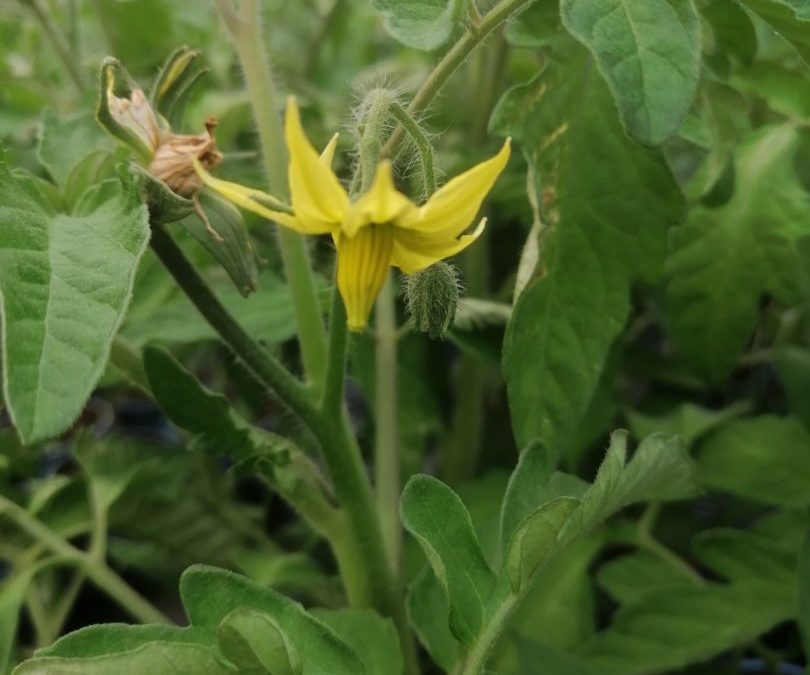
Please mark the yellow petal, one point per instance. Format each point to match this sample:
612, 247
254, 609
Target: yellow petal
319, 200
454, 206
413, 251
251, 200
362, 267
383, 203
328, 153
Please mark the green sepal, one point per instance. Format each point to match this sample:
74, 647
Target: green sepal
165, 205
175, 80
227, 240
115, 77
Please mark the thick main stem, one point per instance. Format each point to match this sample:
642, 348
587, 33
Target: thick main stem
337, 442
386, 437
457, 54
245, 29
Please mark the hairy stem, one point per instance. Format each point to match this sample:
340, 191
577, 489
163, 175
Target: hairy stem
457, 54
422, 143
245, 29
337, 442
332, 400
475, 661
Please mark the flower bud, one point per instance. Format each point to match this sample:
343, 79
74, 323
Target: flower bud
432, 297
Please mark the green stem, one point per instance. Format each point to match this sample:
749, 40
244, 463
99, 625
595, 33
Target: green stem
422, 143
332, 432
386, 436
645, 539
332, 400
245, 29
58, 41
97, 571
38, 615
474, 663
266, 368
457, 54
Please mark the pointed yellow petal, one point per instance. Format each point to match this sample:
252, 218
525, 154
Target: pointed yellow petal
362, 267
383, 203
319, 200
328, 153
259, 202
413, 251
453, 207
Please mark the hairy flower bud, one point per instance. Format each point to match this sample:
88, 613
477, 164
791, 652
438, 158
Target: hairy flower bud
432, 297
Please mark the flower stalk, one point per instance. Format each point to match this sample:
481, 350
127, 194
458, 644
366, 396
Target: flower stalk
245, 29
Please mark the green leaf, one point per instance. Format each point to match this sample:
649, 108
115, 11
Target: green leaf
429, 612
209, 415
254, 642
537, 658
629, 578
660, 470
267, 314
737, 555
671, 628
597, 243
63, 144
374, 638
422, 24
153, 658
784, 90
789, 18
437, 517
648, 51
690, 422
534, 540
723, 259
110, 465
116, 638
733, 29
210, 594
535, 466
665, 626
764, 459
65, 283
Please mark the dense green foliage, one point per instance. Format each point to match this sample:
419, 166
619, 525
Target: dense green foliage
601, 467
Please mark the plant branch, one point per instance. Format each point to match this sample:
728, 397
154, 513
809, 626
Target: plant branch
422, 143
457, 54
245, 29
332, 399
97, 571
337, 443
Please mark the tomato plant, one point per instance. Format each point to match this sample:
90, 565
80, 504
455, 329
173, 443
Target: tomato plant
404, 336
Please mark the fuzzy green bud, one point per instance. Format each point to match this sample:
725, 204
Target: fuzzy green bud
432, 297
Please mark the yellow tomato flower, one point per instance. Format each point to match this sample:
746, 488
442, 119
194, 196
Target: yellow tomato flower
381, 228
